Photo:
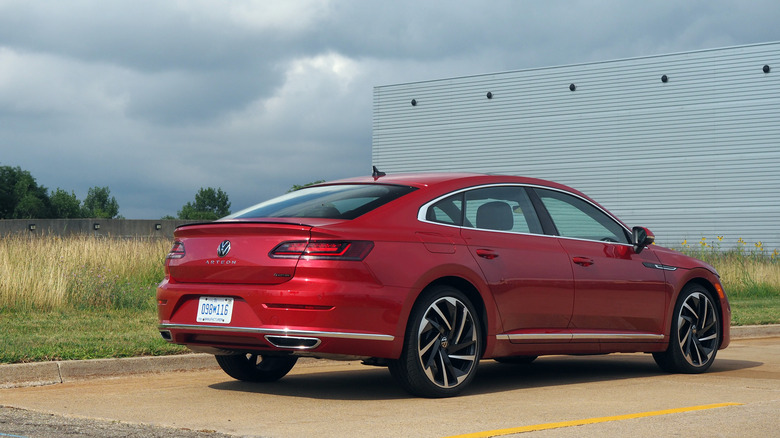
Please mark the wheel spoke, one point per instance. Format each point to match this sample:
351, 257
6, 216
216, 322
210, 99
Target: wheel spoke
690, 309
424, 349
684, 334
436, 352
453, 371
708, 338
702, 353
685, 322
435, 324
469, 357
462, 346
448, 369
444, 318
710, 325
462, 321
703, 308
697, 349
701, 323
686, 344
443, 371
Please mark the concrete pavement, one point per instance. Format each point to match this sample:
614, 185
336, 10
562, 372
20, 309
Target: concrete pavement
738, 396
49, 373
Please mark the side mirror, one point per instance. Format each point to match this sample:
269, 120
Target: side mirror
641, 237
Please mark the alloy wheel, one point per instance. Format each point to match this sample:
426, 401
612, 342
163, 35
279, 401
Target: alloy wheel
447, 345
697, 329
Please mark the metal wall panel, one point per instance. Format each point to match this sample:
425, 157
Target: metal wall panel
696, 156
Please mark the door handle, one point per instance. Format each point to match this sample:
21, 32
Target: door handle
582, 261
487, 254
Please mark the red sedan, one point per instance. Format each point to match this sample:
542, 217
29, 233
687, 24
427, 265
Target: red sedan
429, 273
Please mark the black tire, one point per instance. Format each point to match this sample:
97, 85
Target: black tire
442, 345
516, 360
695, 335
256, 368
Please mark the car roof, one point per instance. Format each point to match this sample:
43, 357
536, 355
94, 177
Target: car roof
462, 179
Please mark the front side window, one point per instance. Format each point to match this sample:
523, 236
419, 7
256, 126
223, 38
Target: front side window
574, 217
341, 201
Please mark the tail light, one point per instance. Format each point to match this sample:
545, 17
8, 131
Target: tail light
177, 251
323, 249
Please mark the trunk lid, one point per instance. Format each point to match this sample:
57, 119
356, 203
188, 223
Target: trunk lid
233, 253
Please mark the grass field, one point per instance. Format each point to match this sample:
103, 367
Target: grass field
91, 297
80, 297
80, 272
750, 274
33, 336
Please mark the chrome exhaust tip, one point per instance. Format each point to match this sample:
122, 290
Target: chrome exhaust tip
293, 342
166, 334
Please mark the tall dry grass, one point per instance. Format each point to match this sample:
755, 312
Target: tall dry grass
50, 272
749, 276
745, 270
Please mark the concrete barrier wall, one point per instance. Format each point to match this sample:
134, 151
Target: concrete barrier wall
122, 228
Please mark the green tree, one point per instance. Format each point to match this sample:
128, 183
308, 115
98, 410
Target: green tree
297, 187
100, 204
20, 195
65, 205
210, 204
31, 207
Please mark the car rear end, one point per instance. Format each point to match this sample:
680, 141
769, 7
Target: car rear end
281, 285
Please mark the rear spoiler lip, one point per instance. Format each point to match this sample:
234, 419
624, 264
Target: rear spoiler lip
258, 222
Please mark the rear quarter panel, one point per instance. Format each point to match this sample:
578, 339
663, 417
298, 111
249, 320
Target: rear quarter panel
401, 259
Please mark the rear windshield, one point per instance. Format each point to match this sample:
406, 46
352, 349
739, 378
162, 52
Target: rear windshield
346, 201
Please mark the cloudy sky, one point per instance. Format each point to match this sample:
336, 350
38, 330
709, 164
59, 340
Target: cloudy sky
156, 99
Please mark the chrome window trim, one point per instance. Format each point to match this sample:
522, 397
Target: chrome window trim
279, 332
422, 212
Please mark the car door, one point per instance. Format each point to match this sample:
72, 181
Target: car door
615, 290
528, 273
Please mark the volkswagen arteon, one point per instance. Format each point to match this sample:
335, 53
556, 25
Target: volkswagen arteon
428, 274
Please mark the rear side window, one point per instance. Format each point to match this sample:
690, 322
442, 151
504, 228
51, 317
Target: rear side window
498, 208
447, 211
344, 201
501, 209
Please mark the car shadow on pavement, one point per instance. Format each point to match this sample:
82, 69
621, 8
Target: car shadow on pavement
363, 383
366, 383
568, 370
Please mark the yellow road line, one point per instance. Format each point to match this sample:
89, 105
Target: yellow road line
546, 426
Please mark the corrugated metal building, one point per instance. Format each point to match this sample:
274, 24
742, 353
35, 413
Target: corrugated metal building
686, 144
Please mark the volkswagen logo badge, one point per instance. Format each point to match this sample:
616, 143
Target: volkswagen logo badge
224, 248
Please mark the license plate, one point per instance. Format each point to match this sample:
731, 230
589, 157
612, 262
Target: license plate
215, 309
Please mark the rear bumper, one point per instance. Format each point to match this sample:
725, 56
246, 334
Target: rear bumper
278, 332
301, 342
303, 317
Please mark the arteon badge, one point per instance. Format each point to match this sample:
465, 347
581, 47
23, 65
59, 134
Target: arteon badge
224, 248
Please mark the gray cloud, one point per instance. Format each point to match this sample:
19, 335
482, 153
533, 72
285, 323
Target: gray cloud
157, 99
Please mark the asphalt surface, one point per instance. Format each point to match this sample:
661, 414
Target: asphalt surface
112, 387
25, 423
